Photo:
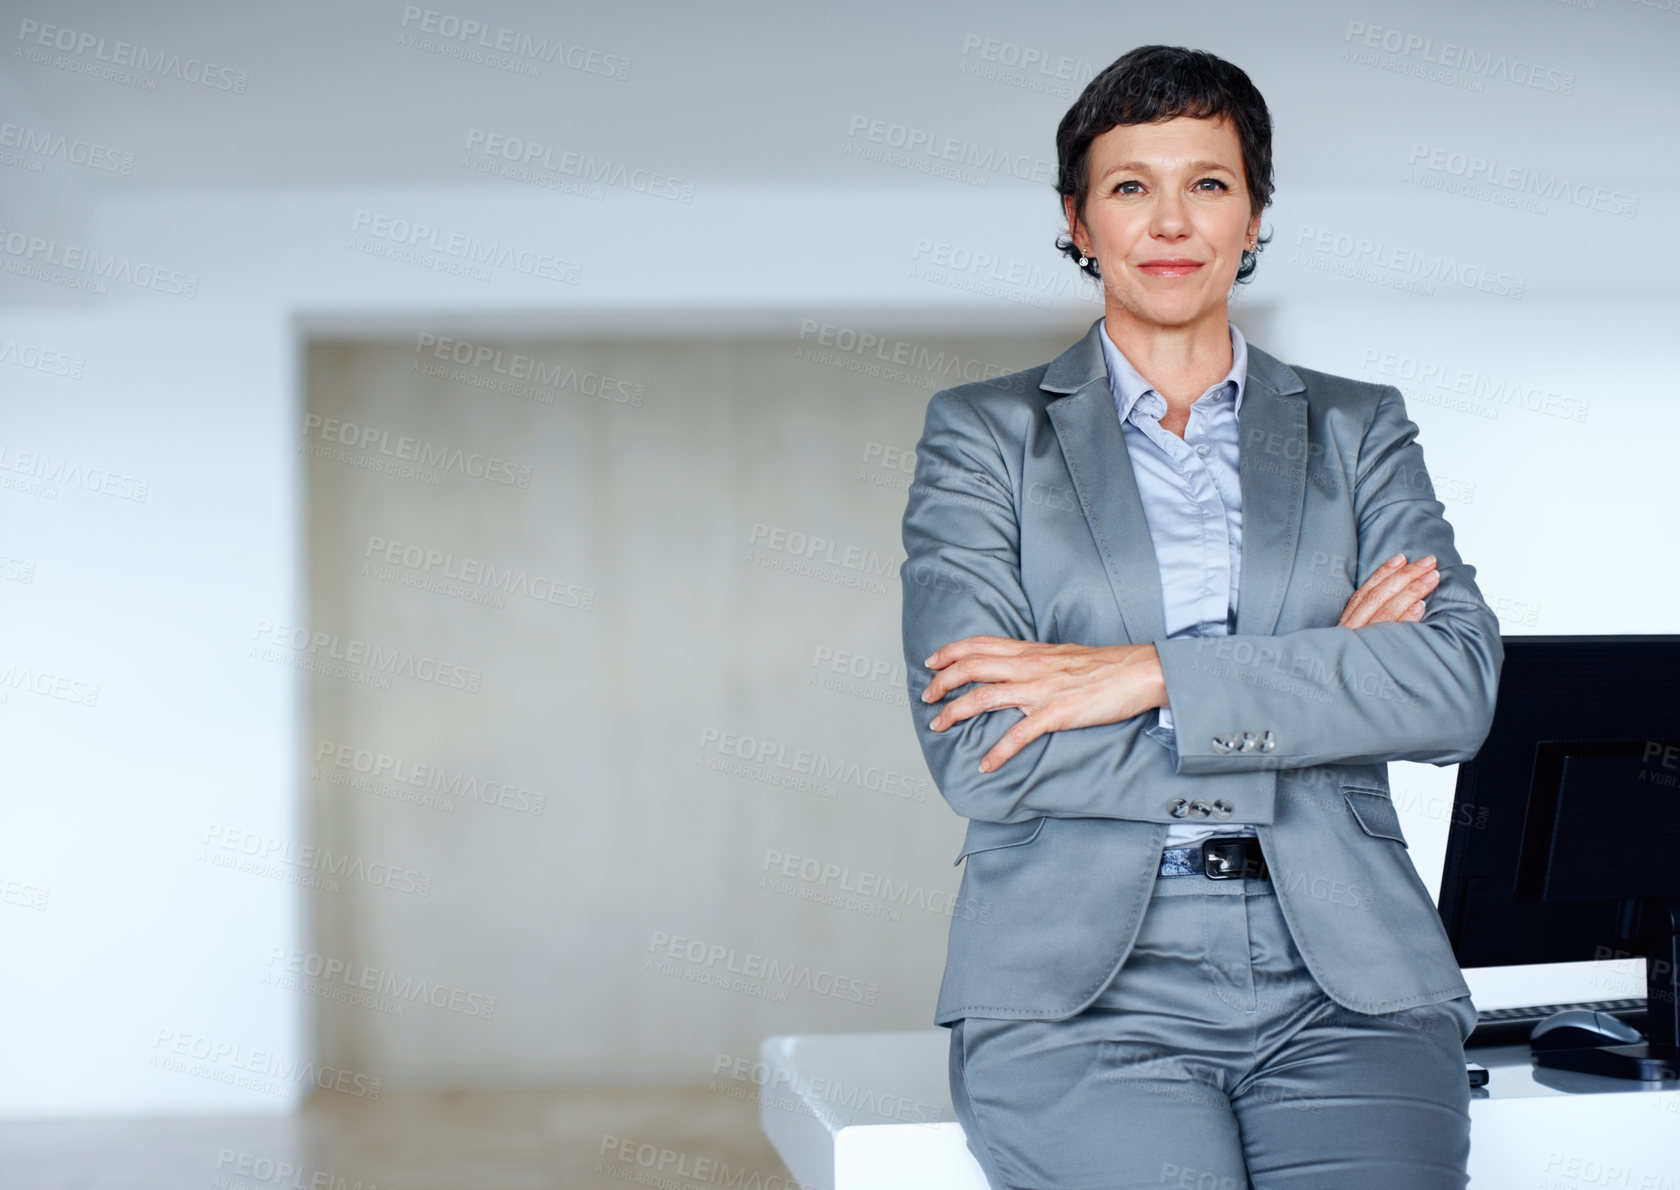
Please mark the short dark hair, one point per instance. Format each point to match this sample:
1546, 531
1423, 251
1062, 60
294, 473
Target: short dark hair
1154, 83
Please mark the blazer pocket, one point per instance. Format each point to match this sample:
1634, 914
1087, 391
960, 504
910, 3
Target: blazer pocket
987, 836
1374, 811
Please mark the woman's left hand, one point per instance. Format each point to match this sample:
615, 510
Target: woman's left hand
1058, 686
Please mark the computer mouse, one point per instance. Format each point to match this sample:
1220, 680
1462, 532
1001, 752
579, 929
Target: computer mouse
1576, 1027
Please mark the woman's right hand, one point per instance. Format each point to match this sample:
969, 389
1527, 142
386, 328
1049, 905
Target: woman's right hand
1395, 592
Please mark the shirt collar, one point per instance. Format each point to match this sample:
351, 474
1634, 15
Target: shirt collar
1127, 385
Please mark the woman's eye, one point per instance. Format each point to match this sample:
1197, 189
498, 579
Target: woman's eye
1130, 187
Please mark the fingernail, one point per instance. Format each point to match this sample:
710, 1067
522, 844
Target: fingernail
1396, 560
929, 661
1429, 561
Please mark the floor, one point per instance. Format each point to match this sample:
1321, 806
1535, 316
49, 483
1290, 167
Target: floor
499, 1140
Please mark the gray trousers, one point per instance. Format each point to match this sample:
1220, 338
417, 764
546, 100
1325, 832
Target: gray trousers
1214, 1061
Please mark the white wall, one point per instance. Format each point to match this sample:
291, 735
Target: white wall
140, 946
655, 638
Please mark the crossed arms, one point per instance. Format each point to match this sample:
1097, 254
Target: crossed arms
1414, 689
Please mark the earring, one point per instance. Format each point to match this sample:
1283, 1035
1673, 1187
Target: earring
1083, 261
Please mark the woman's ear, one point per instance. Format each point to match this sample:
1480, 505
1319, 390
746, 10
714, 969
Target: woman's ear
1075, 232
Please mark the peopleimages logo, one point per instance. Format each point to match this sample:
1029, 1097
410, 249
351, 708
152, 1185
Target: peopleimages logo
382, 557
274, 640
585, 168
77, 266
352, 761
1371, 259
956, 152
467, 33
1028, 59
950, 365
38, 144
818, 548
1487, 392
255, 1069
1472, 169
46, 684
221, 842
752, 965
461, 247
821, 766
127, 54
358, 977
464, 361
423, 453
1450, 55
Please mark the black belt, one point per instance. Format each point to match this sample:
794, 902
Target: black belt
1223, 857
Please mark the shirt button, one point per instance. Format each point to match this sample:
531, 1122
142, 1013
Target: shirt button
1201, 448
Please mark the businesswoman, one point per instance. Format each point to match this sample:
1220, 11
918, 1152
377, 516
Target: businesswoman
1170, 607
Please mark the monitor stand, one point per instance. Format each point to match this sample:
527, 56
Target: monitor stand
1657, 1058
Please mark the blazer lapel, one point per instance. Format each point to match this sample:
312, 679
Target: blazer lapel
1272, 449
1081, 407
1272, 475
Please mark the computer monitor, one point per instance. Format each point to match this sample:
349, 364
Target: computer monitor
1564, 844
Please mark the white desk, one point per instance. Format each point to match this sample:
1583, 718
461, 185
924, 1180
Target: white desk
872, 1111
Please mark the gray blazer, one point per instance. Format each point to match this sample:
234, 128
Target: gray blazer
1024, 521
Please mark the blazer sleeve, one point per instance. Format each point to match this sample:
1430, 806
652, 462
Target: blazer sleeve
962, 577
1421, 691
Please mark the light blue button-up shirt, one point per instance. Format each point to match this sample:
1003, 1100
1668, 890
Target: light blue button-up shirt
1193, 503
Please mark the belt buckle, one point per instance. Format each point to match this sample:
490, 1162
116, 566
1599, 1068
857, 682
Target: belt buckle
1224, 859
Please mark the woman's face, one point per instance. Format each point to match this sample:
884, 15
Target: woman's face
1167, 217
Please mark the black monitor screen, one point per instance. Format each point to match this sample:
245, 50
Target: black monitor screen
1568, 818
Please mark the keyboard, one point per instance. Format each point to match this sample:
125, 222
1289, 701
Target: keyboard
1511, 1026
